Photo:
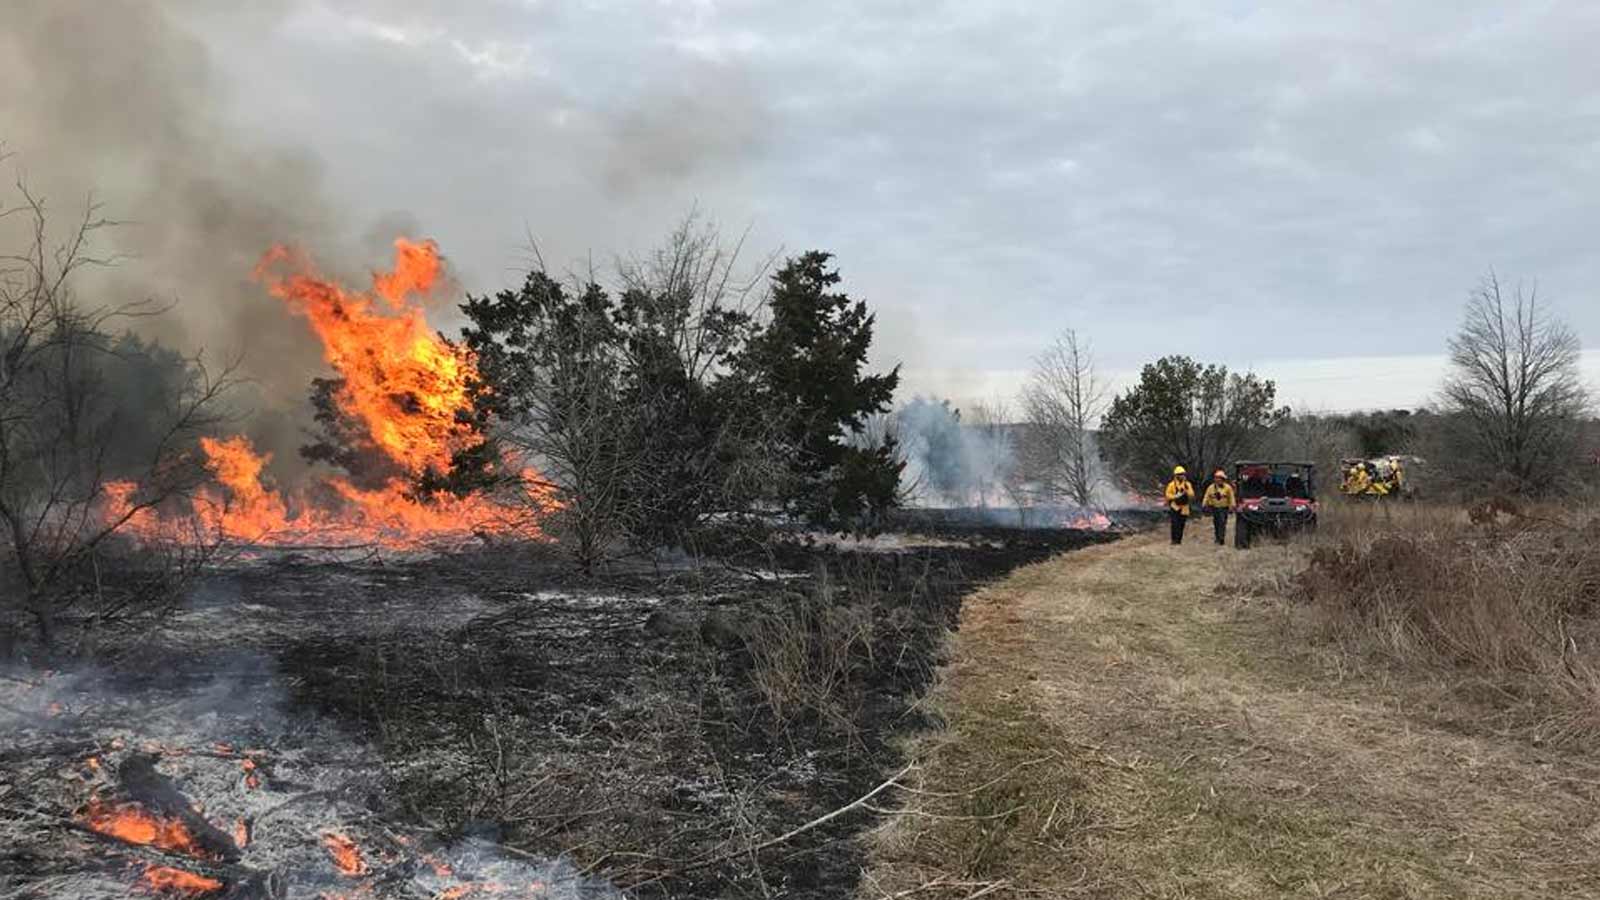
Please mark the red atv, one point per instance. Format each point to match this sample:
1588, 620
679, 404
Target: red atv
1275, 498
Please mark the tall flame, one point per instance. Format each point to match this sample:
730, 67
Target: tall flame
401, 380
407, 388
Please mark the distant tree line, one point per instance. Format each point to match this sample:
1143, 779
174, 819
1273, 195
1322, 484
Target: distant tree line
1512, 416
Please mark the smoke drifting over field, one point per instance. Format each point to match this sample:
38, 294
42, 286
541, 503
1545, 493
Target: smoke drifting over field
129, 102
114, 99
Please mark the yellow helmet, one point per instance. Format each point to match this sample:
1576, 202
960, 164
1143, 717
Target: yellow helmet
1179, 470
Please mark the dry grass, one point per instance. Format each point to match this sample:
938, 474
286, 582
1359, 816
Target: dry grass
1512, 600
813, 658
1145, 721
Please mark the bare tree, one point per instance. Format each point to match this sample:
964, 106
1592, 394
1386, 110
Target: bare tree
709, 447
1063, 400
1515, 392
75, 469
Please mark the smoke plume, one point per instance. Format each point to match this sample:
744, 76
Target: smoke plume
954, 463
132, 102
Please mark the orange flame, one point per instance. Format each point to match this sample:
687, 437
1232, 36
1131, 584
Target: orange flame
346, 855
1091, 522
401, 380
166, 878
133, 824
409, 390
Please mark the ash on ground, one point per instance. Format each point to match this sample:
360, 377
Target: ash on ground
488, 724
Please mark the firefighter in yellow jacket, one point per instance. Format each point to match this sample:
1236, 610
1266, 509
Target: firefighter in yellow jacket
1219, 501
1180, 493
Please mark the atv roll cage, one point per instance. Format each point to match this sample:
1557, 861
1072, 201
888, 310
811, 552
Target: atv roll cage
1292, 480
1275, 498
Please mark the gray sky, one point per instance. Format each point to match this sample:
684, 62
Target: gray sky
1309, 191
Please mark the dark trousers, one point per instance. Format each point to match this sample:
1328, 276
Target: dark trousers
1219, 522
1178, 521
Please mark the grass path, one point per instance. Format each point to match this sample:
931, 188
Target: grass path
1126, 721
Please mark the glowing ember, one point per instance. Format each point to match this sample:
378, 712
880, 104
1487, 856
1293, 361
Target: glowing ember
346, 855
241, 834
133, 824
404, 386
166, 878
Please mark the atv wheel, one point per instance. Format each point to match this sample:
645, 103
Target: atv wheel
1241, 535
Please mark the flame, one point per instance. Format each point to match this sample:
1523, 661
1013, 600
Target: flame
166, 878
346, 855
1091, 522
409, 391
401, 380
133, 824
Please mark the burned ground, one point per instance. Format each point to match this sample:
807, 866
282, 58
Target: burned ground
655, 729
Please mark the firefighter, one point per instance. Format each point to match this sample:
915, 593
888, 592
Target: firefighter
1179, 493
1219, 501
1357, 481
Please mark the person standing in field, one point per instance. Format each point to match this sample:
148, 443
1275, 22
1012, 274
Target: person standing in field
1180, 493
1219, 501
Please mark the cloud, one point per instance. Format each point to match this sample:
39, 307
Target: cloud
1234, 182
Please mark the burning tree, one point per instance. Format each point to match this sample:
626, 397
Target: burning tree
400, 416
84, 417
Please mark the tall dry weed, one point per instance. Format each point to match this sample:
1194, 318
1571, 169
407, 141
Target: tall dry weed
1512, 596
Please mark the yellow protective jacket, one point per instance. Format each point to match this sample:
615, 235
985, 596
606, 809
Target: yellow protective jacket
1357, 482
1179, 495
1219, 496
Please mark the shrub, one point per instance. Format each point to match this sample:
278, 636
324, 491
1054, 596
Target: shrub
1517, 601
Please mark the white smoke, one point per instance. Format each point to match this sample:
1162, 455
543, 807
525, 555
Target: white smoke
951, 462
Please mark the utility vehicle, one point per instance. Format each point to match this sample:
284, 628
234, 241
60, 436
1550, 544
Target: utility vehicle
1276, 499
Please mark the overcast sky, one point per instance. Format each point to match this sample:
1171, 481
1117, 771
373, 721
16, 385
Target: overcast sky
1309, 192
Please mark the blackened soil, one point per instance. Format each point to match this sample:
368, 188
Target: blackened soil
654, 725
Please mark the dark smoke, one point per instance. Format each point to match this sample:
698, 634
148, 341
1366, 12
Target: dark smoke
127, 100
115, 99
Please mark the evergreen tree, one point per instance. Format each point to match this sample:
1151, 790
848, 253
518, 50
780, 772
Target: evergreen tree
807, 361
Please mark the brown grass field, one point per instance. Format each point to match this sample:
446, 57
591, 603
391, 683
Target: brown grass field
1139, 720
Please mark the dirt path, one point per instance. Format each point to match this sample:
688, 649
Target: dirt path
1125, 721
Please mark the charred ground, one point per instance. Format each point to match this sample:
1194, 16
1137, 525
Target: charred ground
658, 726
